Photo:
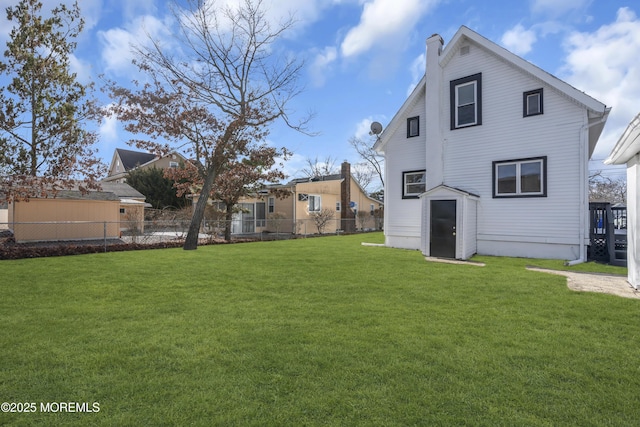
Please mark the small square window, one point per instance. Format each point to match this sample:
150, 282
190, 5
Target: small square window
413, 184
122, 210
532, 103
413, 127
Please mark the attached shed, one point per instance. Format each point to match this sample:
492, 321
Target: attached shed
627, 151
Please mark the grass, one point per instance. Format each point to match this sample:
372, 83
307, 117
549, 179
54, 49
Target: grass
318, 331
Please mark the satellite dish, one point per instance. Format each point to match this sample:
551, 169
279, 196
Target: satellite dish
376, 128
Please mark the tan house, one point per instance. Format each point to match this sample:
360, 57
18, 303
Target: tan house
72, 215
124, 161
339, 193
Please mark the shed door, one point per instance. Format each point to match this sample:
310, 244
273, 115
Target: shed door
443, 229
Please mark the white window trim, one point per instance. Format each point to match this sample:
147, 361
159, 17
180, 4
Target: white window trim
518, 163
319, 207
475, 104
405, 193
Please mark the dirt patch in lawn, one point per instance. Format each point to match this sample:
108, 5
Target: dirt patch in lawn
595, 282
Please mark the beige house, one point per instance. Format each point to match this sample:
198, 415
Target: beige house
338, 193
72, 215
124, 161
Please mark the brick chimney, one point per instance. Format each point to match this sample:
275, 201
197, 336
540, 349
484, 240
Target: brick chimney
348, 223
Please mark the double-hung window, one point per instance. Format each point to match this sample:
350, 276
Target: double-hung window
520, 178
532, 103
413, 184
314, 203
466, 101
271, 203
413, 126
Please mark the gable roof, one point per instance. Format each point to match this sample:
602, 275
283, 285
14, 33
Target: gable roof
122, 190
598, 111
627, 146
131, 159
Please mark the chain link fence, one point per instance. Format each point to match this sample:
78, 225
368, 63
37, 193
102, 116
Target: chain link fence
158, 231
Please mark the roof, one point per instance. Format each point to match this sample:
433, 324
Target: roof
131, 159
627, 146
122, 190
333, 177
598, 112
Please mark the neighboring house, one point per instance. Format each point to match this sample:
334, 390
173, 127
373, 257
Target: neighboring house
72, 215
4, 216
627, 151
124, 161
293, 213
489, 155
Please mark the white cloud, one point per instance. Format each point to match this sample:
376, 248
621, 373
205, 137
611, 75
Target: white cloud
118, 43
108, 131
605, 65
519, 40
417, 68
362, 128
321, 65
384, 22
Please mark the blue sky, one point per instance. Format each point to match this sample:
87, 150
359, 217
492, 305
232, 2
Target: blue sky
363, 57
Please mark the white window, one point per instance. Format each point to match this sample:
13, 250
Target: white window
532, 103
314, 203
338, 206
173, 164
520, 178
466, 105
272, 204
413, 184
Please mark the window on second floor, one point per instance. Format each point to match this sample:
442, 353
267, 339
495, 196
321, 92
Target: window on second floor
466, 101
532, 103
413, 126
314, 203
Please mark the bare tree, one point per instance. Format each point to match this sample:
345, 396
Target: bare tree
316, 167
322, 218
605, 189
363, 174
215, 97
366, 152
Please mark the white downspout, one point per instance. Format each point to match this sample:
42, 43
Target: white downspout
583, 190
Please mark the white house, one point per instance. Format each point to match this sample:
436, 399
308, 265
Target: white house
489, 155
627, 151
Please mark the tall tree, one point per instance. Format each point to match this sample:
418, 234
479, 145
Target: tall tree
158, 189
316, 167
43, 145
366, 152
244, 177
215, 98
605, 189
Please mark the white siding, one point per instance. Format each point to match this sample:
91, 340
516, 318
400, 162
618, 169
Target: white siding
505, 134
633, 221
402, 154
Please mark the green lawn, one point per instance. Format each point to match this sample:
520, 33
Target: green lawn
319, 331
